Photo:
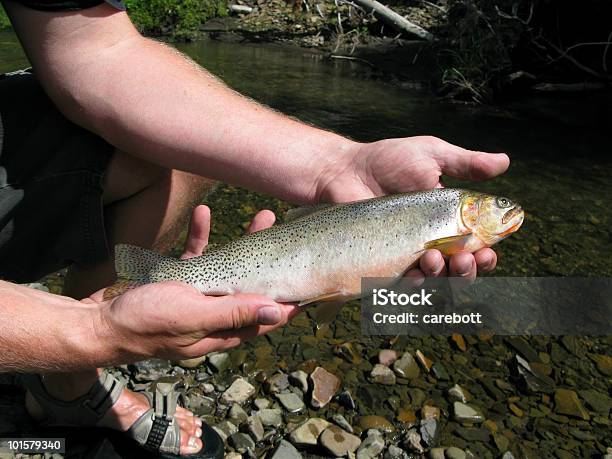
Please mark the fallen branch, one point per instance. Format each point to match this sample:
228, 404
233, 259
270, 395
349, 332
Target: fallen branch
352, 58
570, 87
394, 19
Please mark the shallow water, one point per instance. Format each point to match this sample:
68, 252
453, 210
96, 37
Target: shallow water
560, 149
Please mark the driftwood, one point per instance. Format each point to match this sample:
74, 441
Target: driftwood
570, 87
240, 9
393, 19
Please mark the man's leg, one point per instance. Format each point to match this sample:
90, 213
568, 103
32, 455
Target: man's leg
144, 205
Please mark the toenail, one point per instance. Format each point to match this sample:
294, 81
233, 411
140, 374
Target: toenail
193, 442
198, 422
198, 432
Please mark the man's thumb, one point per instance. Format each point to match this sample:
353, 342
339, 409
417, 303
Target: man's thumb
238, 311
472, 165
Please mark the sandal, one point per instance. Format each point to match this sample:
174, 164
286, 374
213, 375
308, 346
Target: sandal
155, 430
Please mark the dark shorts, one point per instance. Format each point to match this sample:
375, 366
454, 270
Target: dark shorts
51, 172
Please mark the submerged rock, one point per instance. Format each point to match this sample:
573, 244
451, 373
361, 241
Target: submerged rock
339, 442
375, 422
382, 374
291, 402
239, 392
387, 357
255, 428
568, 403
466, 413
454, 453
407, 367
242, 442
219, 361
458, 393
341, 421
299, 379
286, 450
270, 417
372, 446
276, 383
324, 387
308, 433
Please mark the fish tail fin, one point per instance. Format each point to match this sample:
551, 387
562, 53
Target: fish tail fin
134, 263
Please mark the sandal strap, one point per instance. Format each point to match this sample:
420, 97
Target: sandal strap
85, 410
157, 429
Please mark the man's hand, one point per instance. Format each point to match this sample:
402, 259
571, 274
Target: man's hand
414, 163
173, 320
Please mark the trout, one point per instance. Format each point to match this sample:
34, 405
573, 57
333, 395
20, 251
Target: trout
321, 254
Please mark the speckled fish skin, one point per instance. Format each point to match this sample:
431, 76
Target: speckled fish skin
326, 252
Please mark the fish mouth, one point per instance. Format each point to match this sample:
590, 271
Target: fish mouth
508, 216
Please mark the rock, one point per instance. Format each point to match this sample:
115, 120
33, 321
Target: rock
276, 383
339, 442
532, 381
261, 403
502, 442
237, 414
541, 368
207, 388
286, 450
270, 417
516, 410
324, 387
465, 413
201, 405
406, 416
454, 453
521, 346
395, 452
372, 446
233, 455
219, 361
603, 363
459, 342
507, 455
341, 422
308, 433
430, 412
225, 429
407, 367
429, 431
598, 401
299, 379
191, 363
242, 442
458, 393
348, 352
375, 422
346, 400
439, 371
387, 357
436, 453
472, 434
424, 361
150, 370
255, 428
291, 402
382, 374
568, 403
413, 441
239, 392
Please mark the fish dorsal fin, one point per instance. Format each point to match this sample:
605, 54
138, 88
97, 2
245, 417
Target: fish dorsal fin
299, 212
450, 245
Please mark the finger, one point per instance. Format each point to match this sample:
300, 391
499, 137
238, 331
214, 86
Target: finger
486, 260
432, 263
467, 164
262, 220
462, 264
414, 277
197, 236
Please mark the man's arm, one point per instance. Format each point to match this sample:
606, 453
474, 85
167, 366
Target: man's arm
149, 100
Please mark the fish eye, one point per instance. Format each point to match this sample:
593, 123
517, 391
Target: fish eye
504, 202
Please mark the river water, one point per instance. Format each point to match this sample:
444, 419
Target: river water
561, 152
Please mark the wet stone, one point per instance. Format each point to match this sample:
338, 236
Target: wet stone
472, 434
150, 370
324, 387
459, 342
270, 417
439, 371
201, 405
339, 442
372, 446
436, 453
454, 453
387, 357
413, 441
425, 362
521, 346
406, 416
375, 422
308, 433
348, 352
465, 413
261, 403
242, 442
286, 450
255, 428
603, 363
346, 400
341, 422
291, 402
407, 367
568, 403
458, 393
395, 452
239, 392
430, 412
276, 383
598, 401
192, 363
429, 431
501, 442
299, 379
225, 429
382, 374
219, 361
237, 414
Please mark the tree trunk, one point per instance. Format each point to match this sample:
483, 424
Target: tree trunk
394, 19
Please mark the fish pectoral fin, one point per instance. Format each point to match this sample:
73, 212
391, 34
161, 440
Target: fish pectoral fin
326, 297
450, 245
326, 312
119, 288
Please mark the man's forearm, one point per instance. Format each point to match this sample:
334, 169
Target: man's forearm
45, 332
147, 99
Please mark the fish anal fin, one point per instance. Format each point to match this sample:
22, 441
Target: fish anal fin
450, 245
325, 313
119, 288
326, 297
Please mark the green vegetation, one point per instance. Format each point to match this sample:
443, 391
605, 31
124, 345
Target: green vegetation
4, 20
178, 19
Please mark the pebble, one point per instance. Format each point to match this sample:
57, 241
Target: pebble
375, 422
242, 442
255, 428
324, 387
429, 431
339, 442
502, 442
387, 357
225, 429
603, 363
395, 452
430, 412
598, 401
568, 403
406, 416
346, 400
459, 341
291, 402
454, 453
202, 406
150, 370
436, 453
286, 450
341, 421
424, 361
207, 388
308, 433
270, 417
261, 403
299, 379
413, 441
382, 374
239, 392
407, 367
219, 361
458, 393
237, 414
233, 455
191, 363
467, 413
276, 383
372, 446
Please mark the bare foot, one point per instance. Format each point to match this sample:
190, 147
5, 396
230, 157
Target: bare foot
128, 408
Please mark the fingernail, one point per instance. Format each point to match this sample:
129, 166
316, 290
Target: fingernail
268, 315
193, 442
198, 432
462, 271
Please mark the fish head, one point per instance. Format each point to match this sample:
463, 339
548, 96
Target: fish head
490, 218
